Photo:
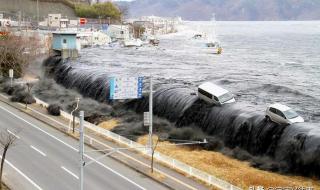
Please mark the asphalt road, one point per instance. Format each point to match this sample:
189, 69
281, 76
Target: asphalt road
44, 158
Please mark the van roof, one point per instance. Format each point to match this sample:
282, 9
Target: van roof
213, 89
280, 107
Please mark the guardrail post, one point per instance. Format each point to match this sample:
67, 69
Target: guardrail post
173, 163
190, 171
210, 179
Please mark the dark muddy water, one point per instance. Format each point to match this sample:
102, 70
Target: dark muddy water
262, 62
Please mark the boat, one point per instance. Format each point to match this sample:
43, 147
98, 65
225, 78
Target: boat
154, 42
132, 43
199, 35
151, 39
213, 43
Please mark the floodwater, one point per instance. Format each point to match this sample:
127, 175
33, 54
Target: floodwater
261, 63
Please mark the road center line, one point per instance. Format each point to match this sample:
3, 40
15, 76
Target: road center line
69, 172
73, 148
13, 134
40, 152
124, 154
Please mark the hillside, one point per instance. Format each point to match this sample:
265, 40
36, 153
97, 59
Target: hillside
29, 8
228, 9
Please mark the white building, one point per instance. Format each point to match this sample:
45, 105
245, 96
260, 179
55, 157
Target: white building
54, 20
64, 23
73, 23
118, 32
92, 38
5, 23
57, 21
160, 25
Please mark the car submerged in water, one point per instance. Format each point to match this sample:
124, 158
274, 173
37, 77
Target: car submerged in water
282, 114
214, 94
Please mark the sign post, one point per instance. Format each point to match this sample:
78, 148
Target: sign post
81, 148
131, 88
146, 119
150, 114
83, 21
11, 76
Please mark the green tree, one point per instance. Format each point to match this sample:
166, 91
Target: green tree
99, 10
108, 9
85, 11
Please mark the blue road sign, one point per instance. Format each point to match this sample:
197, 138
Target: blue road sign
126, 87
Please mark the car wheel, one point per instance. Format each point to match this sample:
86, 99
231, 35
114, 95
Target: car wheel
268, 118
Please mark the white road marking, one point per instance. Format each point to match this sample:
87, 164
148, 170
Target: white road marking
68, 171
40, 152
13, 134
24, 175
75, 149
124, 154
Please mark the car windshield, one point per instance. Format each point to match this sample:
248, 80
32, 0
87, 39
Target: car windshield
225, 97
290, 114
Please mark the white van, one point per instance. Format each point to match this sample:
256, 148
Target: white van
282, 114
214, 94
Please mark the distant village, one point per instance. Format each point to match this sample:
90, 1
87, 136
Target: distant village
77, 33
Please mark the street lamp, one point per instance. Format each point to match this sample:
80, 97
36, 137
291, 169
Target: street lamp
77, 99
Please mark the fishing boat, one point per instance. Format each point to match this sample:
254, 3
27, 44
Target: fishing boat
212, 43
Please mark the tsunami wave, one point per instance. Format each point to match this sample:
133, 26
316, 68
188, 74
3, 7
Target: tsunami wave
293, 148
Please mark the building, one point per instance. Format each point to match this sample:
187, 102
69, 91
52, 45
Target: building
66, 44
64, 23
119, 32
54, 20
57, 21
93, 38
159, 25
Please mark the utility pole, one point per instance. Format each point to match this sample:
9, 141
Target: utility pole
37, 14
150, 112
81, 148
20, 6
166, 26
20, 20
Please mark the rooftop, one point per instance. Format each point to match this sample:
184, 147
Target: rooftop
65, 32
280, 107
213, 89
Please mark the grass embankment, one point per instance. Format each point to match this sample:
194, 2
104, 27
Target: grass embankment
110, 124
237, 172
234, 171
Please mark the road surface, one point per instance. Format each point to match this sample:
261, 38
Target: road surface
44, 158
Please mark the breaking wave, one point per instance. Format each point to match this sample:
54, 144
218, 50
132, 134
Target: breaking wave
294, 148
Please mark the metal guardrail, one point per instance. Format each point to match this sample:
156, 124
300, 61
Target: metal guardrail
191, 171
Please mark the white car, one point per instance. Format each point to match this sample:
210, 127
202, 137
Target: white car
282, 114
214, 94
